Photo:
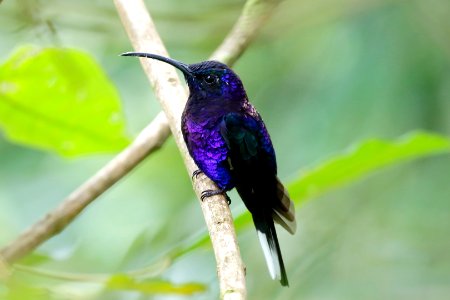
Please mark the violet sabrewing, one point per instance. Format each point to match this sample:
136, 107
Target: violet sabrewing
229, 142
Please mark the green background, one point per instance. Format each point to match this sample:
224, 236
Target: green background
325, 75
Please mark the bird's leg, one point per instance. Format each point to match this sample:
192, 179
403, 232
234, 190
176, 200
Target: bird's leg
196, 173
210, 193
227, 198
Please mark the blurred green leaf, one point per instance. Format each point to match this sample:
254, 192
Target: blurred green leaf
362, 160
125, 282
60, 100
35, 258
200, 240
20, 291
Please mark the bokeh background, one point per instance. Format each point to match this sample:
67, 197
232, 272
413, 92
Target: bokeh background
325, 75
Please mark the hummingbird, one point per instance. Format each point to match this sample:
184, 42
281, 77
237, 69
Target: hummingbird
229, 142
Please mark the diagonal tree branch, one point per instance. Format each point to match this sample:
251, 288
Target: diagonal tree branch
149, 140
172, 97
254, 15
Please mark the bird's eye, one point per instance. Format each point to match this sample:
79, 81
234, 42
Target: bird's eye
210, 79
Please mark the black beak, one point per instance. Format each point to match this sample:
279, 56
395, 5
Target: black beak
177, 64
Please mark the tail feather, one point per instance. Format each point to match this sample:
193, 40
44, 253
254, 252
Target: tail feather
290, 226
284, 211
271, 248
269, 202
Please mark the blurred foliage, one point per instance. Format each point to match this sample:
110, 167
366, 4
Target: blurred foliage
340, 73
124, 282
59, 99
363, 159
359, 162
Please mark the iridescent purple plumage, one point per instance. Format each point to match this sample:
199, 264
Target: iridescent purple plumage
209, 151
229, 142
203, 116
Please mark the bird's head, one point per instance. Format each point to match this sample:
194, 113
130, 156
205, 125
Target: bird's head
206, 80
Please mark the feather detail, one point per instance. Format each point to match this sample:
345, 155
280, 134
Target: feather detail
271, 248
284, 212
271, 260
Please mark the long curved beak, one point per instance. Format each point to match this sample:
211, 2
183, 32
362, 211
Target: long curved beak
177, 64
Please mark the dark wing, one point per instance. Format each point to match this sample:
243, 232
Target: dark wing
253, 165
248, 141
252, 158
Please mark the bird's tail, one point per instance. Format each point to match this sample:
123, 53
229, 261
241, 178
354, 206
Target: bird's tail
284, 210
269, 243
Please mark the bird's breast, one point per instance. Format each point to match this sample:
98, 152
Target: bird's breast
209, 150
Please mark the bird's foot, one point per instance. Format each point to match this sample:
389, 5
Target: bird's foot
196, 173
227, 198
210, 193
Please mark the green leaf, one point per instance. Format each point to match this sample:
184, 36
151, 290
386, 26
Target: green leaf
35, 258
15, 290
362, 160
125, 282
60, 100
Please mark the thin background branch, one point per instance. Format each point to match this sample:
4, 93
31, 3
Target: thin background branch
172, 97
